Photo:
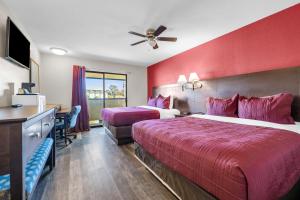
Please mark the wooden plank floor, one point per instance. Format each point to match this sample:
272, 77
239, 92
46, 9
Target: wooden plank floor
93, 167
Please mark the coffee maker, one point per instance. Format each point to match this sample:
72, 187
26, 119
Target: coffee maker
26, 89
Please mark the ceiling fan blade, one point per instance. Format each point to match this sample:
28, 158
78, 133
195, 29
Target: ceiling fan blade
168, 39
138, 34
138, 42
159, 30
156, 46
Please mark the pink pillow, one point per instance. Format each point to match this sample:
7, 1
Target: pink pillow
222, 107
276, 108
163, 102
152, 102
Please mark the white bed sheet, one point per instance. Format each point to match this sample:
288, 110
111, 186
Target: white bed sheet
289, 127
164, 113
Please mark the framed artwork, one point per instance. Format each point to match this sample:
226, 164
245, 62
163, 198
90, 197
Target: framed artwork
34, 76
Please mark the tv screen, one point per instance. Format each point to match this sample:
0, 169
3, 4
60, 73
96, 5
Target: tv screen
17, 45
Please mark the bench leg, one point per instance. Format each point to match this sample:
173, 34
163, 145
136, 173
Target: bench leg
51, 158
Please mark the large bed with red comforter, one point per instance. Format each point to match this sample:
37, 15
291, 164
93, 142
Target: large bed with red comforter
226, 160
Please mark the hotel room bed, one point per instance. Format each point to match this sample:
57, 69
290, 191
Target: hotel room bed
118, 121
210, 157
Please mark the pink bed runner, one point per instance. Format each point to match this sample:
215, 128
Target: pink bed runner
231, 161
126, 116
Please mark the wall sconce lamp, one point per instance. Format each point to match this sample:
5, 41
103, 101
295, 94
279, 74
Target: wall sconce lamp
182, 81
193, 83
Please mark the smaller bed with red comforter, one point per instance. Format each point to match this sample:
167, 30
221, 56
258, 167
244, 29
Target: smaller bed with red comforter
126, 116
118, 121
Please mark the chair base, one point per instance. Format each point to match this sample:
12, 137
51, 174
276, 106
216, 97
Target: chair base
66, 136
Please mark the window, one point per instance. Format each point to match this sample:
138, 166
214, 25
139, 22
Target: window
104, 90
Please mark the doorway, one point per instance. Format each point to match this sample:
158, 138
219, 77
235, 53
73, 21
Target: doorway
104, 90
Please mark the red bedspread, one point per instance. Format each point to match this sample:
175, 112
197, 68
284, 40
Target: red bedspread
230, 161
126, 116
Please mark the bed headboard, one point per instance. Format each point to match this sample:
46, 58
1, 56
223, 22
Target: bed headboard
255, 84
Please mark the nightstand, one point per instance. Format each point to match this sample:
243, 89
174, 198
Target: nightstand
188, 114
182, 115
198, 113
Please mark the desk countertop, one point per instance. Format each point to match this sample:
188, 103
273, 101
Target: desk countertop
21, 114
64, 110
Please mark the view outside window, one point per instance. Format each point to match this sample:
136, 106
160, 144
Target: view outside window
104, 90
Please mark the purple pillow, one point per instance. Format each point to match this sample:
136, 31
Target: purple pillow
222, 107
163, 102
152, 102
276, 108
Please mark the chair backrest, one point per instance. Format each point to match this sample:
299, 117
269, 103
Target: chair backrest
73, 116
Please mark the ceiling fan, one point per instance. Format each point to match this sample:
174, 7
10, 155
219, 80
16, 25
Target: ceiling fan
151, 37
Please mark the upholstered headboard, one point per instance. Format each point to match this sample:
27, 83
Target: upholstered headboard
255, 84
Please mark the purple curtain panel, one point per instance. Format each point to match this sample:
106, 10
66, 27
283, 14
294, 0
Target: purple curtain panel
79, 98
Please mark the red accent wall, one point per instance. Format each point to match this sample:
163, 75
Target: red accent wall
270, 43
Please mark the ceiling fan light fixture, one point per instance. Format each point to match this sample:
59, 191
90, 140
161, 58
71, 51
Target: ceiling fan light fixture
152, 42
151, 37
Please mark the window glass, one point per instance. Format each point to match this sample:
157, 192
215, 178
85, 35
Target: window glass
104, 90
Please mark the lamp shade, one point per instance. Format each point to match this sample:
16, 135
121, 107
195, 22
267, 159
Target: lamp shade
181, 79
193, 77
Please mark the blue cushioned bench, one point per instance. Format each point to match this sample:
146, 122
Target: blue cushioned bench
33, 169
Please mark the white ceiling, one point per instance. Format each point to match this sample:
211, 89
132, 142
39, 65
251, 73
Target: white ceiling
98, 29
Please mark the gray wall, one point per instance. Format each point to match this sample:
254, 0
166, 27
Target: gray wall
11, 75
56, 78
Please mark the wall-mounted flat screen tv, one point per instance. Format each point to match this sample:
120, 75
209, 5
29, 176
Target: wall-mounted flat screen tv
17, 45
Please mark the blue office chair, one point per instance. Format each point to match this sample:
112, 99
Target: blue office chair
65, 125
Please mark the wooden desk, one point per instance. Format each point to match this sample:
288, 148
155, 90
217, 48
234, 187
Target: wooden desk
63, 111
23, 129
